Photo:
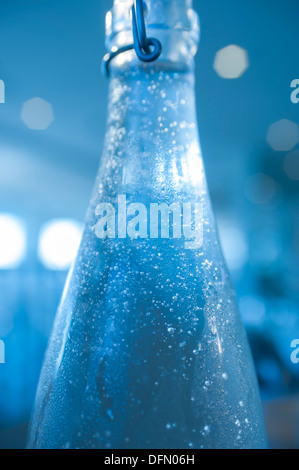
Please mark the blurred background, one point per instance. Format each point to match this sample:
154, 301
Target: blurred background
52, 126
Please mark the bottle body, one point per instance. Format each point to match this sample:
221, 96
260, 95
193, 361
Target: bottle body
148, 350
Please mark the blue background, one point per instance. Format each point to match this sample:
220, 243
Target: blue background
52, 49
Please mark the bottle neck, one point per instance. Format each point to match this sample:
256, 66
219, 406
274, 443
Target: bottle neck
152, 134
152, 140
156, 100
173, 22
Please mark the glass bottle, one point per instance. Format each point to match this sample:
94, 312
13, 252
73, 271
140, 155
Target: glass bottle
148, 349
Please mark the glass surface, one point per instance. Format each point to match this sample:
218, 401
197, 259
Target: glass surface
148, 349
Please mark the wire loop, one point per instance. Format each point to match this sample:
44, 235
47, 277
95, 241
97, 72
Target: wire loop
147, 49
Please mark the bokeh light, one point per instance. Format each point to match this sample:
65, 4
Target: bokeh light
283, 135
234, 245
260, 188
253, 310
291, 165
231, 62
12, 242
265, 247
37, 114
58, 243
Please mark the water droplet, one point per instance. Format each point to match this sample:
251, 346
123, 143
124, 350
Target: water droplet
110, 414
206, 430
